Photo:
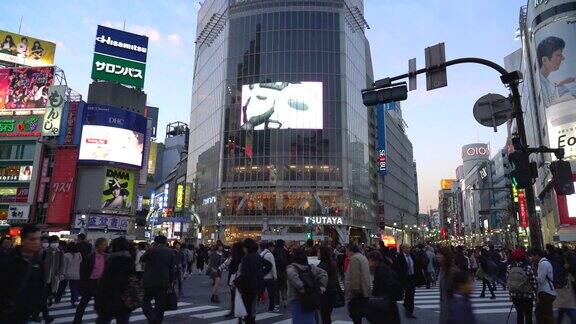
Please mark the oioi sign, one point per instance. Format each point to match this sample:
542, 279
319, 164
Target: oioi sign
120, 57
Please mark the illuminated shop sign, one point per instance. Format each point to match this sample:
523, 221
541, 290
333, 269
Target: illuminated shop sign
20, 126
323, 220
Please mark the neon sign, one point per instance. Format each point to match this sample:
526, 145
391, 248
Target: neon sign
26, 126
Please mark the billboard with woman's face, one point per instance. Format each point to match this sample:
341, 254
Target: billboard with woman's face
555, 53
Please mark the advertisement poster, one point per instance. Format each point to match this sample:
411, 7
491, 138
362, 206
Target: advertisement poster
556, 63
118, 70
118, 190
381, 122
62, 186
20, 126
22, 88
18, 214
282, 105
111, 222
25, 50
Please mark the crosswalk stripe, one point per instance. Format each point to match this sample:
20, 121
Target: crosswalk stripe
259, 317
211, 315
493, 311
170, 313
286, 321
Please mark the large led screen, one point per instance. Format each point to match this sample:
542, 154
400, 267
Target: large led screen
282, 105
111, 144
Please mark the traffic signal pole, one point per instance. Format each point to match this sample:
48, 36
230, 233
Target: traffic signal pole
511, 80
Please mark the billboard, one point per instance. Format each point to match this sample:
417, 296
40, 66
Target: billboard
13, 194
18, 214
446, 184
62, 186
16, 173
118, 191
112, 134
53, 114
475, 151
25, 88
282, 105
20, 126
556, 64
25, 50
111, 222
120, 57
152, 157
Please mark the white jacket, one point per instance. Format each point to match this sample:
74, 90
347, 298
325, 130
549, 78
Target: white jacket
267, 255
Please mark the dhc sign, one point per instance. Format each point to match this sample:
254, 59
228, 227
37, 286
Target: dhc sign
323, 220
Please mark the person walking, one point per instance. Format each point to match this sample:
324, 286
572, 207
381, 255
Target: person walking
487, 272
52, 263
192, 259
522, 286
430, 272
215, 260
281, 260
84, 247
328, 299
201, 258
71, 271
270, 277
459, 308
565, 301
158, 278
357, 284
108, 300
406, 269
447, 269
232, 264
22, 278
546, 292
179, 265
387, 288
187, 257
142, 246
306, 283
5, 245
91, 270
250, 278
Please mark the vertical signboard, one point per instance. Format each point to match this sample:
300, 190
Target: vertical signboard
120, 57
53, 114
62, 186
381, 153
522, 209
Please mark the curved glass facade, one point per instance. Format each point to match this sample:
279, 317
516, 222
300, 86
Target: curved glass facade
283, 127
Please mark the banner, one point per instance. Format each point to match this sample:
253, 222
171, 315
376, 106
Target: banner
111, 222
18, 214
108, 68
62, 186
381, 122
25, 88
25, 50
118, 191
556, 63
53, 114
119, 43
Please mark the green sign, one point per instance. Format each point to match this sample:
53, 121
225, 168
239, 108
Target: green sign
110, 68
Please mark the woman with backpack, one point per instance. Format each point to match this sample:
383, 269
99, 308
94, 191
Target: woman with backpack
328, 300
521, 286
306, 283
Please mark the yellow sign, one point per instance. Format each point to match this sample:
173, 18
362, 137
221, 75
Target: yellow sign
25, 50
446, 184
179, 196
152, 155
187, 195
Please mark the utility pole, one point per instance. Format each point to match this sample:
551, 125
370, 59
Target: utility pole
385, 91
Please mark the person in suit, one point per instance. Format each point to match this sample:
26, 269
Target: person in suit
158, 278
91, 270
405, 266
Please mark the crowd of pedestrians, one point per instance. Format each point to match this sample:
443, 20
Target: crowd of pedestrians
310, 279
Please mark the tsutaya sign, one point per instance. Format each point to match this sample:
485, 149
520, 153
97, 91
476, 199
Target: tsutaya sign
323, 220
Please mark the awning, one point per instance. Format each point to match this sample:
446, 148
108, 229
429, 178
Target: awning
565, 234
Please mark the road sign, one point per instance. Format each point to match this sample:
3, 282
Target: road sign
492, 110
435, 77
411, 74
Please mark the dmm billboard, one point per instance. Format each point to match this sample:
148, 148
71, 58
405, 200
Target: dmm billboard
62, 186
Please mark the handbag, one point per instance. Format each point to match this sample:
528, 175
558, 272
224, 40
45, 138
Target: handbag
239, 308
133, 296
171, 300
339, 299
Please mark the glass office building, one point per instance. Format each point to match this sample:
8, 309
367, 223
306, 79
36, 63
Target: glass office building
280, 145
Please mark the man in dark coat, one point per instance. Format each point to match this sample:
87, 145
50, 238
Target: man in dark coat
158, 278
22, 279
406, 268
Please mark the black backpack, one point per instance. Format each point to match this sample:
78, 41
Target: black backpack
264, 267
310, 299
560, 279
281, 260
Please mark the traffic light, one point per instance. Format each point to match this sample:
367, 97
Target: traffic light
309, 235
520, 170
373, 97
562, 177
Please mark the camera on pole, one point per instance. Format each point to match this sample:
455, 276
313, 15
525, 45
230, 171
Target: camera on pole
562, 177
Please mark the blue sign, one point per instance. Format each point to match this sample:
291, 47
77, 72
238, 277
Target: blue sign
114, 117
381, 153
121, 44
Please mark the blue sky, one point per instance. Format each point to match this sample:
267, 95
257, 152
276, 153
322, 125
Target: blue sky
439, 122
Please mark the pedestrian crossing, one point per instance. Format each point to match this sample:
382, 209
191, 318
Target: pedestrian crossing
430, 299
63, 312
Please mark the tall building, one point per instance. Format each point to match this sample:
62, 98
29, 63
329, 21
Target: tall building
280, 145
547, 62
